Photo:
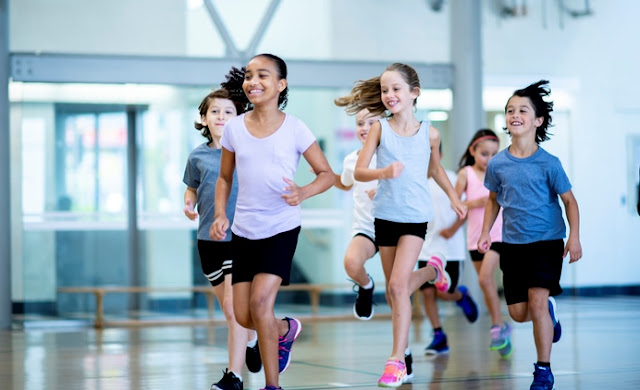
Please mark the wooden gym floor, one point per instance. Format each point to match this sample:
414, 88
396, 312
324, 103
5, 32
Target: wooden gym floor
599, 349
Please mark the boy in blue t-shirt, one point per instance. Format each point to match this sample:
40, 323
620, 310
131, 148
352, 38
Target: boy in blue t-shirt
526, 181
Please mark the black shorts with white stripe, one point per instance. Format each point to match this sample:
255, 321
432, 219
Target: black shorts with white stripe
216, 259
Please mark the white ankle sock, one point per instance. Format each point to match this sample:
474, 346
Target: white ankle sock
252, 343
368, 285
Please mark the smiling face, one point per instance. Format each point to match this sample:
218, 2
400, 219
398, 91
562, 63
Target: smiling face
521, 117
396, 94
218, 113
483, 151
364, 120
262, 83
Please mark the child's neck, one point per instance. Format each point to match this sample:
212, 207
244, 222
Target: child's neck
522, 147
215, 143
404, 123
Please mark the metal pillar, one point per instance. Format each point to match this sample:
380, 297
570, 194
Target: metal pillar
467, 113
5, 226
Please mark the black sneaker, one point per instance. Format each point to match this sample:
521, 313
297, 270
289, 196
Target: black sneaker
252, 358
229, 381
408, 362
363, 308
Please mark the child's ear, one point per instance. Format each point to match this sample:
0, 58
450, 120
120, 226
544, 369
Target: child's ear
282, 85
538, 122
203, 120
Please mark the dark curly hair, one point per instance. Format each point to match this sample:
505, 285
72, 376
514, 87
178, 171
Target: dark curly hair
235, 78
206, 102
536, 93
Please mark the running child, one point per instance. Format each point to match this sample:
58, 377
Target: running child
216, 258
445, 238
473, 165
363, 242
402, 205
526, 181
264, 146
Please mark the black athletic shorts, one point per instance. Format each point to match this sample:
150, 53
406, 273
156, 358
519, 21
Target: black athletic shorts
271, 255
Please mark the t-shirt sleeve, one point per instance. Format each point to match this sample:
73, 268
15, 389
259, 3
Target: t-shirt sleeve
559, 180
346, 178
191, 175
227, 138
304, 137
490, 178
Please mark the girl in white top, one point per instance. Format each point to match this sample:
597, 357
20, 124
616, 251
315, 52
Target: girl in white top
264, 146
363, 242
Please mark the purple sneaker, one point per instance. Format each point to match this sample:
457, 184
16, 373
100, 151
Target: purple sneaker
285, 343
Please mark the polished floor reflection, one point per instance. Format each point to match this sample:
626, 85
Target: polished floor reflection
599, 349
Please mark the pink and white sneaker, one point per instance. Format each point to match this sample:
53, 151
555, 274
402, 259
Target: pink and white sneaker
394, 374
442, 281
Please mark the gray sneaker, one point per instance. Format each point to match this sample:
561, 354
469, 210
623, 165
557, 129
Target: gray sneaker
499, 336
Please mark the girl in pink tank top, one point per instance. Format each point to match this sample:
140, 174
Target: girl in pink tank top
473, 166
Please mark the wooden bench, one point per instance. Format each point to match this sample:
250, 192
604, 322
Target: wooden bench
99, 292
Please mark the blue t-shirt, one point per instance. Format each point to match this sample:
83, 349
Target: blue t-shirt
201, 173
527, 190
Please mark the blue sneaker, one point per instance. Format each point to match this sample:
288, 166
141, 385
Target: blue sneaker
557, 328
542, 378
438, 344
271, 388
468, 305
285, 343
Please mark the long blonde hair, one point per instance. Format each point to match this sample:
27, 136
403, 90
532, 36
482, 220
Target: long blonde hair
366, 94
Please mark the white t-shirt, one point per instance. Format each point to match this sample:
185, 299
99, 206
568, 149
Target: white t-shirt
453, 248
261, 165
362, 204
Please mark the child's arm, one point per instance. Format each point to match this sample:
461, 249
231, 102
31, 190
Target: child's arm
362, 171
325, 178
338, 184
218, 230
440, 176
451, 230
491, 211
573, 216
461, 187
190, 200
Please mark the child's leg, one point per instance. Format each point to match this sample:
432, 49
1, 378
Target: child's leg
400, 269
264, 289
237, 335
431, 307
486, 278
360, 250
241, 295
542, 324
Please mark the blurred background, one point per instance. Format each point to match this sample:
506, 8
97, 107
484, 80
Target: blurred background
102, 96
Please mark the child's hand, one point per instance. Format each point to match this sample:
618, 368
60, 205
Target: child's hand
460, 208
446, 233
188, 210
218, 229
394, 169
371, 193
573, 246
294, 194
484, 243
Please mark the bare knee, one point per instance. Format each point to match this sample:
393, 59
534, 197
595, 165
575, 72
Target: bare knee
397, 290
486, 282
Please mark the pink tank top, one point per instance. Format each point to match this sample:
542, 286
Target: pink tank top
475, 216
